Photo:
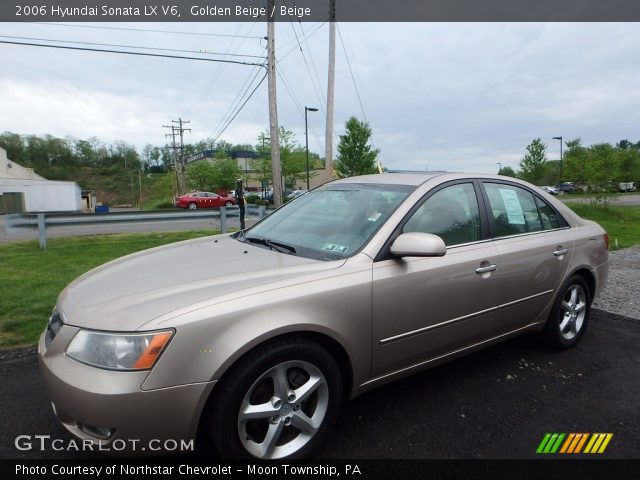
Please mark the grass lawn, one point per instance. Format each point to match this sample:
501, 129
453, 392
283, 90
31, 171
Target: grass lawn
31, 279
622, 222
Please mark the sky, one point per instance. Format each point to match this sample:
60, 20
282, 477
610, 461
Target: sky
438, 96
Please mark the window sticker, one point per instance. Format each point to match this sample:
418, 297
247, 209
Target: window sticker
374, 216
332, 247
512, 204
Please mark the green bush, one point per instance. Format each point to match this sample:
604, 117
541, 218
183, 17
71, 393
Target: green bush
253, 199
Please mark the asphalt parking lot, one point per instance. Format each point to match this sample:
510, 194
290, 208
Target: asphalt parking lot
497, 403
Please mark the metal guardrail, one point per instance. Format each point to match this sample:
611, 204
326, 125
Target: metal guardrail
42, 219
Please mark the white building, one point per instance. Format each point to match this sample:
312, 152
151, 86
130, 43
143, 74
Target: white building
39, 194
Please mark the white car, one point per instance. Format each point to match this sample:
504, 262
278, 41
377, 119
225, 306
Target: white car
551, 190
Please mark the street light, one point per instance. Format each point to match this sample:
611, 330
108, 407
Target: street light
306, 136
499, 167
560, 138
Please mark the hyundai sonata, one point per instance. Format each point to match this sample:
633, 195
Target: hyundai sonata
256, 338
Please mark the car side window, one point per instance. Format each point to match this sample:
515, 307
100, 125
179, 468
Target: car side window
515, 210
451, 213
548, 215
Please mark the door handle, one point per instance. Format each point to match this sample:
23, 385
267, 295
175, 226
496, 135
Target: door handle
560, 251
488, 268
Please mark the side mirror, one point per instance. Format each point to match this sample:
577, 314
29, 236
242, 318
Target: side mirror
418, 244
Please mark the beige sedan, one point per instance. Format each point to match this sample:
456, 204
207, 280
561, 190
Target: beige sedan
255, 339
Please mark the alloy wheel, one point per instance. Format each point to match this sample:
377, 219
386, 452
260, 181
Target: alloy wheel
573, 311
283, 410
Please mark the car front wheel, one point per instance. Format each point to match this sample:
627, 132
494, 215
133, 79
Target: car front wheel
277, 402
569, 315
192, 206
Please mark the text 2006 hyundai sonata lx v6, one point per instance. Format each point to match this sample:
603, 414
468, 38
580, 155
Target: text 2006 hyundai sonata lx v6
256, 338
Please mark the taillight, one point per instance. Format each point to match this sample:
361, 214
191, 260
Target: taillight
606, 239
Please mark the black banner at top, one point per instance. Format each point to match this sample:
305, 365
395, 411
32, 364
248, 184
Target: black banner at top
319, 10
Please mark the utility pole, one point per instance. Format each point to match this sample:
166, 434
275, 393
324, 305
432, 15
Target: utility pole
328, 154
140, 189
276, 168
178, 161
173, 148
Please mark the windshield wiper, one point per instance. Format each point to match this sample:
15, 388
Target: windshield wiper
281, 247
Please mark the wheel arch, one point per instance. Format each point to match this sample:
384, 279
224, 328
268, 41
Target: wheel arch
588, 277
339, 353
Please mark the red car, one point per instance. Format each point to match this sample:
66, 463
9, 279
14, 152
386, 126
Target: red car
195, 200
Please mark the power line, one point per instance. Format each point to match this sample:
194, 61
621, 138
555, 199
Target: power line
313, 64
353, 54
122, 52
240, 109
353, 79
147, 30
309, 33
218, 72
238, 99
131, 46
304, 57
297, 103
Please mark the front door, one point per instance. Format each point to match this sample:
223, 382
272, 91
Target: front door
426, 307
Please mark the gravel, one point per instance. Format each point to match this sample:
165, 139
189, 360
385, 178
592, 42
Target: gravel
621, 294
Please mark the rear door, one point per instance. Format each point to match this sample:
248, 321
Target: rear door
535, 245
213, 200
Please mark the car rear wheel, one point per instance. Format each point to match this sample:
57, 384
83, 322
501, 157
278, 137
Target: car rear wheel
278, 402
569, 315
192, 206
228, 204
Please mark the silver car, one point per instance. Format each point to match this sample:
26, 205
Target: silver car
255, 339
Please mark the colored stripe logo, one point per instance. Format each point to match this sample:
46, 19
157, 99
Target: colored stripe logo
574, 443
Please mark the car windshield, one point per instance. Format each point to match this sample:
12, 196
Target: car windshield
330, 222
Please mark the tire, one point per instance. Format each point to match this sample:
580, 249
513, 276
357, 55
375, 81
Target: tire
570, 314
228, 204
192, 206
287, 425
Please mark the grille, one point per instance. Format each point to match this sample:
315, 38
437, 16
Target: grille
53, 327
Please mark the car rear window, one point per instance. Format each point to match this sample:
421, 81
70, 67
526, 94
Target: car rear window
516, 211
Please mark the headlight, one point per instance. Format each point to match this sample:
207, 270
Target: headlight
118, 351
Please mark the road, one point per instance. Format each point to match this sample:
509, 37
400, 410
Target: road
497, 403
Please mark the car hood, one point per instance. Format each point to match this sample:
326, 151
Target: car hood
126, 293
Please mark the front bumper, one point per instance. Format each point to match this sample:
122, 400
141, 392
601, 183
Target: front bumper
87, 400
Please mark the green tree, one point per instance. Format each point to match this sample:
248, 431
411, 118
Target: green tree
601, 169
574, 162
292, 158
294, 166
534, 163
165, 188
507, 171
262, 169
225, 171
628, 165
201, 175
355, 155
14, 145
242, 147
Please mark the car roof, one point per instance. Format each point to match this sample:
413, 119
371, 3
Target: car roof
413, 179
